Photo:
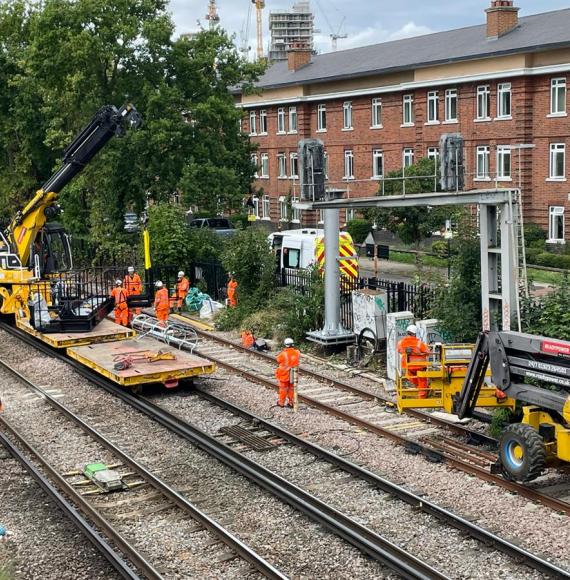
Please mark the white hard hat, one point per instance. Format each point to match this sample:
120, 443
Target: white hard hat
288, 342
130, 269
158, 284
119, 282
180, 274
412, 329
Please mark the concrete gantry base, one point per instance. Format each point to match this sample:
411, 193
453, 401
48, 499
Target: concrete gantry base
330, 339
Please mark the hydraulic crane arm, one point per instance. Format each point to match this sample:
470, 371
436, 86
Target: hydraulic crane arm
106, 123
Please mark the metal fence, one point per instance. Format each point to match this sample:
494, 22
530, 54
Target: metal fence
210, 277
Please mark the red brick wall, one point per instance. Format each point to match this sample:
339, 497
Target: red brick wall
529, 124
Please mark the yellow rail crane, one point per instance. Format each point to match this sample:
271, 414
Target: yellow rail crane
259, 6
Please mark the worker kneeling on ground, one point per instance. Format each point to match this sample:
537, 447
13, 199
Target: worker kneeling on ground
288, 360
133, 286
161, 303
182, 287
119, 295
414, 350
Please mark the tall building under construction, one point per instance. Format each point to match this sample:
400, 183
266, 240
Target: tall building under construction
290, 27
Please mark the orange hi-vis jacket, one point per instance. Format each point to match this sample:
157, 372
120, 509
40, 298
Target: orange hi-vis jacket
232, 287
288, 358
182, 287
120, 296
420, 351
161, 302
133, 284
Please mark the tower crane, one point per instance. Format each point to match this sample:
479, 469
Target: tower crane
212, 17
335, 35
259, 6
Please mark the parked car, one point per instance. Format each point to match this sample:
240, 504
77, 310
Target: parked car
221, 226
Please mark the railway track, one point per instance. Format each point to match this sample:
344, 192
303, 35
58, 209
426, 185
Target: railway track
419, 432
163, 497
367, 541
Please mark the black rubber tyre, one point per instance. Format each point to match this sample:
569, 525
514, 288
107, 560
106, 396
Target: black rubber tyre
522, 453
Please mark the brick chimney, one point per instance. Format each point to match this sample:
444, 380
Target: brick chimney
502, 17
298, 55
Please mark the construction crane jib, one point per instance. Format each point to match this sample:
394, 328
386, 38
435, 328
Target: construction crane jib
259, 6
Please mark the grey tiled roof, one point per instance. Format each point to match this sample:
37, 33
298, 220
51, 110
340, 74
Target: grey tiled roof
534, 33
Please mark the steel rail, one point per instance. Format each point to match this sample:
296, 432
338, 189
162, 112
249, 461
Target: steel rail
369, 542
234, 543
398, 491
73, 514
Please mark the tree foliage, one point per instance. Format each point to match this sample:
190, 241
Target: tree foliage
60, 60
550, 315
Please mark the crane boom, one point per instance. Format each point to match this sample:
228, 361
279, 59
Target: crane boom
259, 6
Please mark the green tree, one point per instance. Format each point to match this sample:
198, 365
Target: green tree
550, 315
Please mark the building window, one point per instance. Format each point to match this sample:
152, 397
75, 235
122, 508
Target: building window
408, 110
433, 99
264, 165
376, 113
350, 215
408, 157
556, 223
321, 216
292, 119
255, 201
283, 209
326, 164
377, 163
504, 101
347, 114
321, 118
252, 123
295, 212
282, 166
281, 120
348, 165
483, 157
483, 102
504, 162
433, 153
558, 97
557, 160
263, 122
451, 105
254, 162
266, 207
294, 165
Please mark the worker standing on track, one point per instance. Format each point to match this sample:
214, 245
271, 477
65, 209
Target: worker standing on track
232, 291
133, 286
288, 360
161, 303
119, 295
182, 287
414, 350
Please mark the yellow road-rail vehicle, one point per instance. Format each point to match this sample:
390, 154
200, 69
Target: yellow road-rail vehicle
67, 308
528, 374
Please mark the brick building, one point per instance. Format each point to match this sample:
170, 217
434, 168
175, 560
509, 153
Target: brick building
381, 107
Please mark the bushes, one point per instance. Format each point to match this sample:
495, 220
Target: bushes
358, 229
548, 259
550, 315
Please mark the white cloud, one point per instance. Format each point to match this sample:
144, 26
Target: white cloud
408, 30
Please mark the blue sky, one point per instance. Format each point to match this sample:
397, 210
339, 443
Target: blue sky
364, 21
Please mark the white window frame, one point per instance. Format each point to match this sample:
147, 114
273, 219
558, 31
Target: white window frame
266, 204
407, 110
377, 157
295, 212
255, 201
255, 161
252, 123
293, 160
293, 120
433, 153
556, 150
283, 209
347, 116
376, 113
264, 166
451, 99
321, 216
348, 164
321, 119
554, 212
350, 214
280, 120
504, 96
483, 105
482, 163
407, 156
326, 164
433, 108
504, 151
263, 122
281, 166
557, 101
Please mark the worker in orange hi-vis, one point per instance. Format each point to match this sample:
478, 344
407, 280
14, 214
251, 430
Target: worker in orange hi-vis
134, 287
414, 350
119, 295
286, 373
247, 339
232, 291
161, 303
182, 287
